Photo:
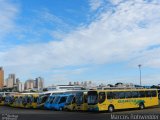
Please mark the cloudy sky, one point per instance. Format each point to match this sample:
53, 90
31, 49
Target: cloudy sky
78, 40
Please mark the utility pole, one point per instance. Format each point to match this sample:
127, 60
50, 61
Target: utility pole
140, 74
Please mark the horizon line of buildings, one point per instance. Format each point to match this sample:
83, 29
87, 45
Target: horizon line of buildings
37, 84
11, 82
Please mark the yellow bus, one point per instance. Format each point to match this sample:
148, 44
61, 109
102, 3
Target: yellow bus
103, 100
15, 101
81, 101
31, 101
70, 103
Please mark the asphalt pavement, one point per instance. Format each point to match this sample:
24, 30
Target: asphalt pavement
9, 113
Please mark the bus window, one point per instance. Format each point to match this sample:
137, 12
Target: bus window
79, 98
128, 94
135, 94
85, 98
116, 95
121, 95
74, 100
102, 97
109, 95
44, 99
35, 99
92, 98
154, 93
142, 94
52, 100
63, 99
69, 100
148, 93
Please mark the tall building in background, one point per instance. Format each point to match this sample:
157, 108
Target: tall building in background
5, 83
20, 86
17, 81
29, 84
13, 77
70, 83
11, 81
39, 83
35, 84
1, 77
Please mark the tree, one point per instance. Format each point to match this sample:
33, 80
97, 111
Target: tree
119, 83
110, 85
45, 89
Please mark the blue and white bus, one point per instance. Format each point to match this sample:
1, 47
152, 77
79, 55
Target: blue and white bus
60, 102
48, 103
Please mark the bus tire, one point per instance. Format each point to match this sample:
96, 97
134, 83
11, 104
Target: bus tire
141, 106
110, 108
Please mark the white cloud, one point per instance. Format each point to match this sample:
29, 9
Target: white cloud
47, 16
8, 12
122, 35
95, 4
148, 58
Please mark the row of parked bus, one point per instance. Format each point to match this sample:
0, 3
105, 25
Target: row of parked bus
94, 100
68, 100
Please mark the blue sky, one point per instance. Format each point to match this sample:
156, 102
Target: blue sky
81, 40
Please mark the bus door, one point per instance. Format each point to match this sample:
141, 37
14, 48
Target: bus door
102, 100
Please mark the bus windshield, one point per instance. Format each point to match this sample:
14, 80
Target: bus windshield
39, 99
51, 100
92, 98
42, 99
56, 100
79, 98
69, 100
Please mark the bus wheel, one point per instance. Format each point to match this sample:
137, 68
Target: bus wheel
111, 108
141, 106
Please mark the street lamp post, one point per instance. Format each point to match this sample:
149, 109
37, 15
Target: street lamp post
140, 73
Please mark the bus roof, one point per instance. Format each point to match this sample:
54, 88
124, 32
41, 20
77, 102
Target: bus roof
124, 90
